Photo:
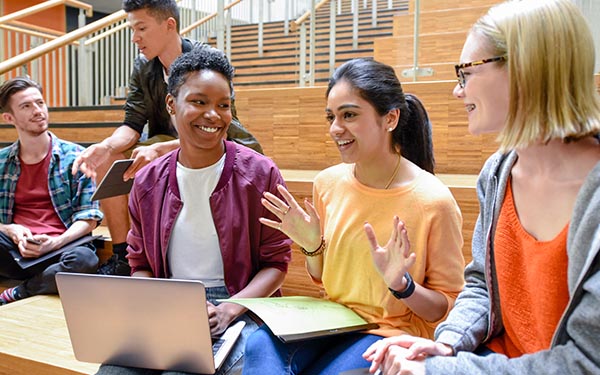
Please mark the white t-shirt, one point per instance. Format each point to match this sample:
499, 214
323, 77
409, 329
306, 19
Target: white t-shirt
194, 252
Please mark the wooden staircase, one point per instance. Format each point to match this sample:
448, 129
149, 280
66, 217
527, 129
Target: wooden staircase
279, 64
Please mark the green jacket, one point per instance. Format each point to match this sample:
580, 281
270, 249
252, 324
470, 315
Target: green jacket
146, 102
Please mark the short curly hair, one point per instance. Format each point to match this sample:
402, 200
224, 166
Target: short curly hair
200, 58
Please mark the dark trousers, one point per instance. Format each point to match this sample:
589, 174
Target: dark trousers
39, 279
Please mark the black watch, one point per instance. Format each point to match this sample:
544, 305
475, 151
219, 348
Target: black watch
408, 291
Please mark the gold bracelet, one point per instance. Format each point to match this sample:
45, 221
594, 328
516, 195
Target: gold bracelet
320, 250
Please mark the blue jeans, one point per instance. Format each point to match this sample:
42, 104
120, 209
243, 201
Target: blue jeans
232, 365
267, 355
40, 279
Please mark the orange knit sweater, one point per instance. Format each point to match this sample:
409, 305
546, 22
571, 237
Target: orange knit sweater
532, 282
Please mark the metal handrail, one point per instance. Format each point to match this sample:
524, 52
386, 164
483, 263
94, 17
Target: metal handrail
207, 18
301, 22
46, 5
307, 14
108, 33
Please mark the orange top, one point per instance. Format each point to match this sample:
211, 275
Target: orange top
532, 282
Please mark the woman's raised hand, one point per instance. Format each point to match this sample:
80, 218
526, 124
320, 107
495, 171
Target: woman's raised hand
303, 227
394, 259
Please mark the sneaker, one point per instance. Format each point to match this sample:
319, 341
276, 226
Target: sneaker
115, 265
10, 295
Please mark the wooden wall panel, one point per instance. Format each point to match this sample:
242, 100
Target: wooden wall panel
438, 21
427, 5
111, 113
290, 124
433, 48
93, 134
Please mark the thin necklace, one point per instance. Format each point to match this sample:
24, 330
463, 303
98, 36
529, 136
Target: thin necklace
387, 186
395, 173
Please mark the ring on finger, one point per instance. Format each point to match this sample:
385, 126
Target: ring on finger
286, 210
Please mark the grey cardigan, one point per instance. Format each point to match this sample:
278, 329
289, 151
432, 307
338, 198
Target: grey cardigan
476, 316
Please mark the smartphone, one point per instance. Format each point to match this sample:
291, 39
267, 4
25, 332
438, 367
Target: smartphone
34, 241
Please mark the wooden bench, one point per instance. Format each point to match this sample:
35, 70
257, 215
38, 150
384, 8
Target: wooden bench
35, 339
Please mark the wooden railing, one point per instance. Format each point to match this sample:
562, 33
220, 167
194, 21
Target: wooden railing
93, 63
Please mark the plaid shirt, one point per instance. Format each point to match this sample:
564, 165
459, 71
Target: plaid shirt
70, 195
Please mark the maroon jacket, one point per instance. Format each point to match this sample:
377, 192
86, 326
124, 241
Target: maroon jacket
247, 246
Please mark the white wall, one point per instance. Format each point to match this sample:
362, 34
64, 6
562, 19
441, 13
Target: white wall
591, 11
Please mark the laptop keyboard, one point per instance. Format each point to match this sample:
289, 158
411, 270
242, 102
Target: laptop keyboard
217, 343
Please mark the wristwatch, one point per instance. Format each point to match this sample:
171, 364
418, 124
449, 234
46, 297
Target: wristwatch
408, 291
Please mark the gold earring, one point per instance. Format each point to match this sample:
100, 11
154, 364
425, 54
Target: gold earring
171, 111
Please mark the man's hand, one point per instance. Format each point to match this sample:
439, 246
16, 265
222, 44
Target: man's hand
141, 156
45, 245
17, 233
89, 160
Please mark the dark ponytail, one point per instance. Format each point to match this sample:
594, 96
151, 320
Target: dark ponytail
378, 84
413, 134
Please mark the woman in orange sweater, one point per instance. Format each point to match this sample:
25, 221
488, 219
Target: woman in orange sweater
406, 286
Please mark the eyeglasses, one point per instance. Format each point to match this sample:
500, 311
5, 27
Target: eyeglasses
460, 74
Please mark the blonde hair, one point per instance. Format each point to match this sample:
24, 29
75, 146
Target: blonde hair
550, 68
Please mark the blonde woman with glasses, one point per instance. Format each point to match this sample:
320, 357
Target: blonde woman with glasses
532, 295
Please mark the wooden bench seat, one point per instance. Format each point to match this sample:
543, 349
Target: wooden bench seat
35, 339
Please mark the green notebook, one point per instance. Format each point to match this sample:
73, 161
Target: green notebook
300, 318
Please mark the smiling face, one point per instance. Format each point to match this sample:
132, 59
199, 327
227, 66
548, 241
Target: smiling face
202, 114
486, 91
28, 112
150, 35
359, 132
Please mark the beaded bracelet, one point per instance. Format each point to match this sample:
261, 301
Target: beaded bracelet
318, 251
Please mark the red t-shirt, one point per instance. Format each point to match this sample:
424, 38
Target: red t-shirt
33, 207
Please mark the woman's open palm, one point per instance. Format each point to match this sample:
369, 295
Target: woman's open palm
394, 259
303, 227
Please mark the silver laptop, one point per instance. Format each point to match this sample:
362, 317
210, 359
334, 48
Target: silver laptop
142, 322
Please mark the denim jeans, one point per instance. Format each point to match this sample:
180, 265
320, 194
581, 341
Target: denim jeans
40, 279
232, 365
267, 355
